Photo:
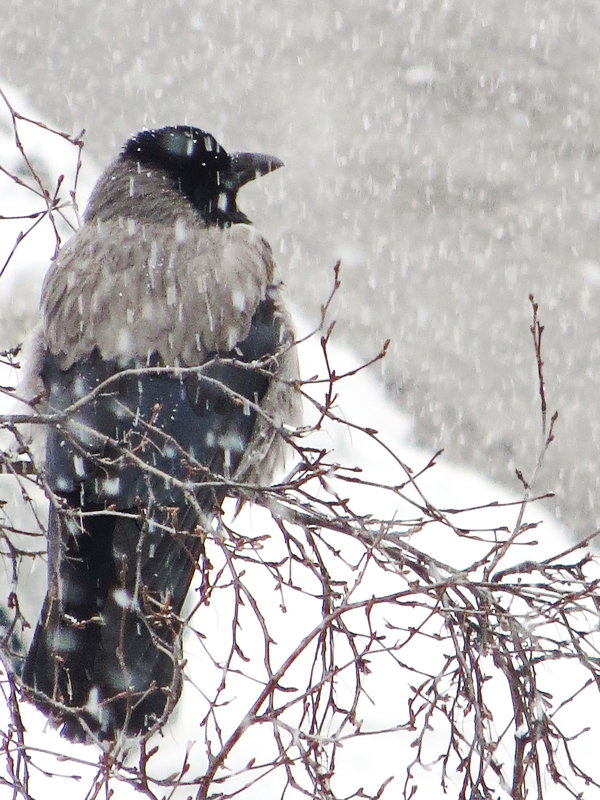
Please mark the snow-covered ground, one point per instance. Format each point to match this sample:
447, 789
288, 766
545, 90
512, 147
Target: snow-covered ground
293, 611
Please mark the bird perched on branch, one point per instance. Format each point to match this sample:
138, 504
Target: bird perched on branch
167, 352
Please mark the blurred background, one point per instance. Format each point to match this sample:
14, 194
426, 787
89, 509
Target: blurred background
445, 151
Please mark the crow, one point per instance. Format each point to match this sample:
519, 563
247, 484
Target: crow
166, 353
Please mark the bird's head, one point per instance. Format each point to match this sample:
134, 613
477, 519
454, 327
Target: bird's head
200, 168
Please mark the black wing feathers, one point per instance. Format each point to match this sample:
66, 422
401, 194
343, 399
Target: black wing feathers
127, 545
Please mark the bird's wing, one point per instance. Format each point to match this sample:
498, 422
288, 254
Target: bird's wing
144, 453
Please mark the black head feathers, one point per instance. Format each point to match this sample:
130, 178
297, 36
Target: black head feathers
200, 168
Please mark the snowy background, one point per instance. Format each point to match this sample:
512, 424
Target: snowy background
446, 154
447, 150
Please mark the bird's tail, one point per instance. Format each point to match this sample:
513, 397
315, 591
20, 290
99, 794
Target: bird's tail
106, 654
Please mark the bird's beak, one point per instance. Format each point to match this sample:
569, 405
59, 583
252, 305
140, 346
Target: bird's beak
248, 166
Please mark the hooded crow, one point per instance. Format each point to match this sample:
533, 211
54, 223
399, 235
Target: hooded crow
166, 351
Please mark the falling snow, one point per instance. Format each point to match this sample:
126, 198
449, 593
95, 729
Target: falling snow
446, 152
